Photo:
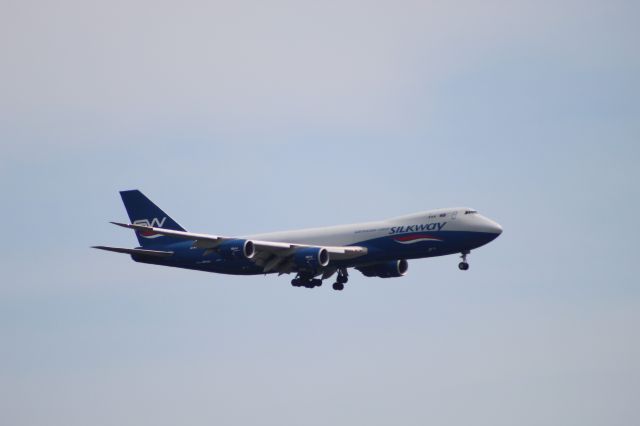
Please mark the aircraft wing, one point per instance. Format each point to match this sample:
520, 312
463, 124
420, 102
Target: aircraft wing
272, 255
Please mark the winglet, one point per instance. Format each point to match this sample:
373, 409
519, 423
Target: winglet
136, 226
124, 225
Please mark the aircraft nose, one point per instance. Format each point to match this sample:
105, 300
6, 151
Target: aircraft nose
496, 228
492, 227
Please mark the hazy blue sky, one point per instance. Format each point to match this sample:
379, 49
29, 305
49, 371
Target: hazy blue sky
247, 116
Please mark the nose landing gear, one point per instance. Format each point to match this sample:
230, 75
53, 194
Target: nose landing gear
463, 265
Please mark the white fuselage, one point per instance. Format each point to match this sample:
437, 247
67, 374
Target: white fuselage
451, 220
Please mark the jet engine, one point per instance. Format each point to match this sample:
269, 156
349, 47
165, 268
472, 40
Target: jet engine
392, 269
237, 249
311, 258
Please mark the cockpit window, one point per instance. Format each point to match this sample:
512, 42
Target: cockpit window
471, 212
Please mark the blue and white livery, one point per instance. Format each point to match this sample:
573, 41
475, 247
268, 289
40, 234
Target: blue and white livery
376, 249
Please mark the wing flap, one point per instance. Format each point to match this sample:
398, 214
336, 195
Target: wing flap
286, 249
346, 252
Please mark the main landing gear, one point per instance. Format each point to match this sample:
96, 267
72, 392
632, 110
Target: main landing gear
463, 265
306, 282
310, 282
341, 280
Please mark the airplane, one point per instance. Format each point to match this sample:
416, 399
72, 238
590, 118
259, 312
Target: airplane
376, 249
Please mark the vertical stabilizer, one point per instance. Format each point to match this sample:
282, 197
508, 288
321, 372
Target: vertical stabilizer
142, 211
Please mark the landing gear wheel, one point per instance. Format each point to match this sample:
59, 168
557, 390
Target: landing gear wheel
296, 282
310, 283
463, 265
338, 286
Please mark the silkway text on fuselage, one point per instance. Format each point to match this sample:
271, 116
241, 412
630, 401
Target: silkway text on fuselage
436, 226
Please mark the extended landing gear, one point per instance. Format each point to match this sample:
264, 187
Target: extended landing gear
463, 265
310, 282
307, 283
313, 283
341, 280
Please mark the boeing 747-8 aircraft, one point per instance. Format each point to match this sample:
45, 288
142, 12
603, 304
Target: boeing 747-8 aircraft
377, 249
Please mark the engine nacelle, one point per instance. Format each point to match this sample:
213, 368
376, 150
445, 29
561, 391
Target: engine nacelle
237, 249
311, 258
392, 269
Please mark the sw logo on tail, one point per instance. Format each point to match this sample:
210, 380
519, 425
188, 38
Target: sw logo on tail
153, 223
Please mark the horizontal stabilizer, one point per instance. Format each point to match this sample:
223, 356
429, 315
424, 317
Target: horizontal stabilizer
154, 253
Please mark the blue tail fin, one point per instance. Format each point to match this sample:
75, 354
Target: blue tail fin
142, 211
